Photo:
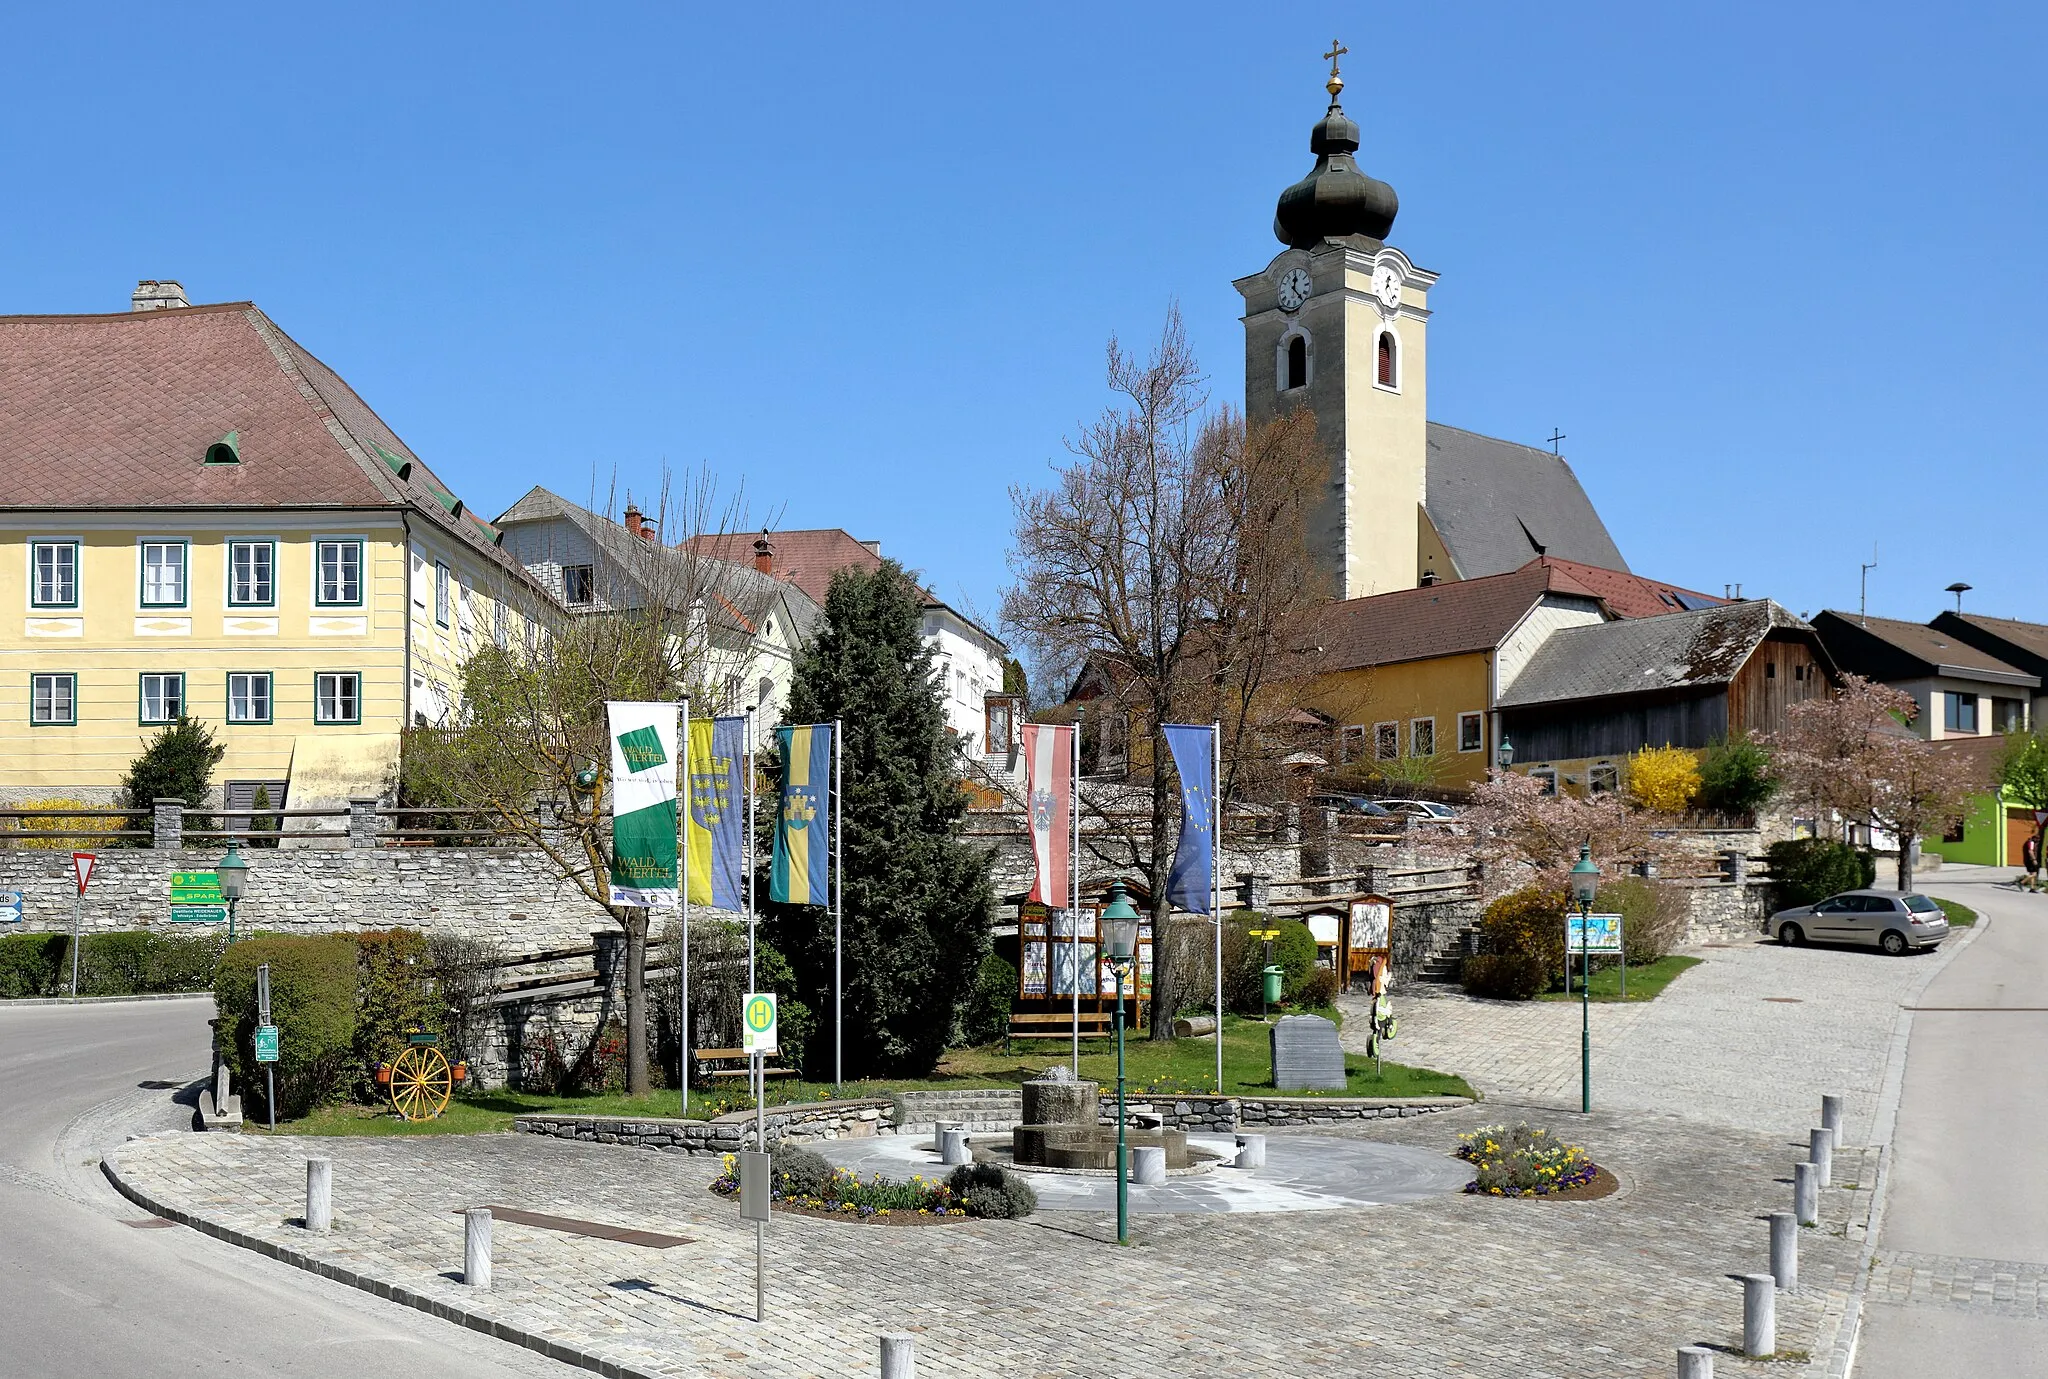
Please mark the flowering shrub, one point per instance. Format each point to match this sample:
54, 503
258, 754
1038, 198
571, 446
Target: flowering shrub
1664, 778
1521, 1161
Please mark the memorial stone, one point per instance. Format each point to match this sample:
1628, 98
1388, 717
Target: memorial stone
1306, 1055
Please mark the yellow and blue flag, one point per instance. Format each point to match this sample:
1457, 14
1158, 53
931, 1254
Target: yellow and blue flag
1190, 886
718, 748
803, 823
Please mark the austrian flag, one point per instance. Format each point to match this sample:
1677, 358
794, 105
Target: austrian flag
1049, 770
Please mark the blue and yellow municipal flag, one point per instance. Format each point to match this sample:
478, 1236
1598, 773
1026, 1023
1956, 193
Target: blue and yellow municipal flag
803, 820
643, 863
718, 752
1191, 884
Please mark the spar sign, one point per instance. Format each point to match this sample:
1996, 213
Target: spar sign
758, 1027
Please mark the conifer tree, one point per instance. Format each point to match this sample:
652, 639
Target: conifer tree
918, 898
177, 763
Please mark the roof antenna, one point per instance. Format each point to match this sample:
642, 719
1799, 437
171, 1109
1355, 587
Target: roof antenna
1959, 589
1554, 437
1863, 601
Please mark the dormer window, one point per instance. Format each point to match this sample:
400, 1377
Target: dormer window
1297, 363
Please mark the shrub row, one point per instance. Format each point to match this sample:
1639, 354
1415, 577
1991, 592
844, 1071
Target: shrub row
123, 964
1523, 933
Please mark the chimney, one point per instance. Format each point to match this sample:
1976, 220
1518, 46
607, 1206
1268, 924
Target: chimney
151, 295
764, 553
874, 548
633, 519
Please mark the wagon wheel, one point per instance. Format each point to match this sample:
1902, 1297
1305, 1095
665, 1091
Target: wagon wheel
420, 1083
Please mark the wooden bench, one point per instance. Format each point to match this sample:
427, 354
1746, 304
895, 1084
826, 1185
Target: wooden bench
1059, 1025
735, 1063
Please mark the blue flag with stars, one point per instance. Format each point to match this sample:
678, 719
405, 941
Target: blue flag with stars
1190, 885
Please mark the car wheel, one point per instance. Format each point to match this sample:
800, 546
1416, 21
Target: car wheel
1893, 942
1791, 935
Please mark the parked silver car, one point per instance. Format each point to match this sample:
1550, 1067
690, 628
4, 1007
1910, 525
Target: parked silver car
1422, 809
1896, 921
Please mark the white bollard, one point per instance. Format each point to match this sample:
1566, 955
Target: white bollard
1784, 1250
953, 1147
1695, 1362
899, 1355
319, 1194
1251, 1151
1831, 1117
476, 1247
1806, 1194
1759, 1315
939, 1129
1821, 1150
1148, 1165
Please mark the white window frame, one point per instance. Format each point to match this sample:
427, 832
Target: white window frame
327, 687
269, 700
1415, 726
164, 680
1308, 360
589, 599
148, 594
44, 686
235, 548
1477, 723
71, 549
1354, 743
444, 595
320, 566
1383, 733
1546, 776
1399, 358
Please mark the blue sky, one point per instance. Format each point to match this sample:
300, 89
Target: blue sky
1775, 270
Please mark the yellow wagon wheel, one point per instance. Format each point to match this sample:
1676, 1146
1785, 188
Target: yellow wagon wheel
420, 1082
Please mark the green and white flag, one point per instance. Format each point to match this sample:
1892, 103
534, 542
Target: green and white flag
643, 804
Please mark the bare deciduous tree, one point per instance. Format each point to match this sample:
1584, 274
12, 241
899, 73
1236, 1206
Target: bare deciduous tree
1169, 554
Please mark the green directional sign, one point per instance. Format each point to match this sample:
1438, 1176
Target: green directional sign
266, 1043
758, 1027
196, 898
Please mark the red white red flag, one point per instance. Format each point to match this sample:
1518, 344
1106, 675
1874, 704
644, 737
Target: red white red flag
1049, 779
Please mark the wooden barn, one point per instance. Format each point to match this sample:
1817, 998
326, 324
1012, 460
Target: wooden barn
1592, 695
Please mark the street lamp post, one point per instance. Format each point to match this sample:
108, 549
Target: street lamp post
1585, 882
234, 876
1120, 934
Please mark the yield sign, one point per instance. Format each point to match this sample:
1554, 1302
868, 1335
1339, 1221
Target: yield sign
81, 863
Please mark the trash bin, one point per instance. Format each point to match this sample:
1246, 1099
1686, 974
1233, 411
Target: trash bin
1273, 976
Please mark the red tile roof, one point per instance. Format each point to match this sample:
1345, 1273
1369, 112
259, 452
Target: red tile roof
807, 558
1628, 595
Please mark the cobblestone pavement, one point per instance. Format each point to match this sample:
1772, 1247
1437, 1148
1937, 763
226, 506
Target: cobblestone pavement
1750, 1038
1452, 1285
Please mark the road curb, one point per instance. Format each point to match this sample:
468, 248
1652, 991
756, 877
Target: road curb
13, 1001
1841, 1355
110, 1166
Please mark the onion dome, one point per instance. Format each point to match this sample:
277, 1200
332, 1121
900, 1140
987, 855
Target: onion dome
1335, 200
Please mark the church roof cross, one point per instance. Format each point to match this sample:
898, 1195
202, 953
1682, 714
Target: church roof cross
1335, 83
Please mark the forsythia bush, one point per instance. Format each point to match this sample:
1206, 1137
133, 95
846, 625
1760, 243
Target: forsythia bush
1664, 778
80, 824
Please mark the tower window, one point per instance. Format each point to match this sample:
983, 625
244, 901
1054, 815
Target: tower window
1297, 362
1387, 374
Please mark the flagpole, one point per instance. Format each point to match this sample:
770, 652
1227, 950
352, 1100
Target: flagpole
689, 799
838, 893
1074, 887
1216, 879
748, 795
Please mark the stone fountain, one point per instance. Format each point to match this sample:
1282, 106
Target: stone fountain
1062, 1128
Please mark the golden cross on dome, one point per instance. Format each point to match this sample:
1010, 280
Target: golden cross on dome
1335, 83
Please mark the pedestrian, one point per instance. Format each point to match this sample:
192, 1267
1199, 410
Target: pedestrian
2030, 861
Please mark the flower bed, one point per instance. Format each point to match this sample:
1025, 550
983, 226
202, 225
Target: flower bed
1522, 1161
801, 1181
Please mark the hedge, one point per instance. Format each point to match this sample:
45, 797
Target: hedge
1804, 870
136, 963
313, 1004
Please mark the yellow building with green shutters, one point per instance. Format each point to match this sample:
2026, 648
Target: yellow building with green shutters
198, 517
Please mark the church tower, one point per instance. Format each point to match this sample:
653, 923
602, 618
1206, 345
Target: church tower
1337, 322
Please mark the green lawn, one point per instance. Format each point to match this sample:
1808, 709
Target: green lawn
1644, 983
1960, 916
1184, 1065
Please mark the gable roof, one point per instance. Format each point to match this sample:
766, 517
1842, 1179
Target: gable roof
2022, 645
117, 411
1637, 655
1496, 504
1887, 649
1630, 595
1450, 619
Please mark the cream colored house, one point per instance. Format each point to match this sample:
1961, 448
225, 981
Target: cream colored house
198, 517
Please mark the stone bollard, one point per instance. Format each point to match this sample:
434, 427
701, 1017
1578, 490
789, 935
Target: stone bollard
1251, 1151
953, 1147
319, 1194
1695, 1362
1806, 1194
1831, 1118
1821, 1151
1759, 1315
939, 1129
476, 1247
899, 1355
1784, 1250
1148, 1165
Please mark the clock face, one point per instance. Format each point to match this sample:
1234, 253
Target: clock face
1294, 289
1386, 285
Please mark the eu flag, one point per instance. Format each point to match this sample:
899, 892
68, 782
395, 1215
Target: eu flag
1190, 885
803, 822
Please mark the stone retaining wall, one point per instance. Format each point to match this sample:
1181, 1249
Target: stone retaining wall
984, 1111
1222, 1115
829, 1120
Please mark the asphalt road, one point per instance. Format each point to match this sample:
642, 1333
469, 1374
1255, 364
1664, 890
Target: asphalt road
88, 1293
1969, 1176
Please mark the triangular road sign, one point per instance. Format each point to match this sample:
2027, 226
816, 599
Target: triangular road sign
81, 863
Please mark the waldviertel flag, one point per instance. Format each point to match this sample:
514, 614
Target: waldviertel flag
1190, 885
718, 758
803, 822
1049, 772
643, 868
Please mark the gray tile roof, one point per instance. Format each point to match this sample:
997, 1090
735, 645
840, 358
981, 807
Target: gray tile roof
1636, 655
1496, 504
